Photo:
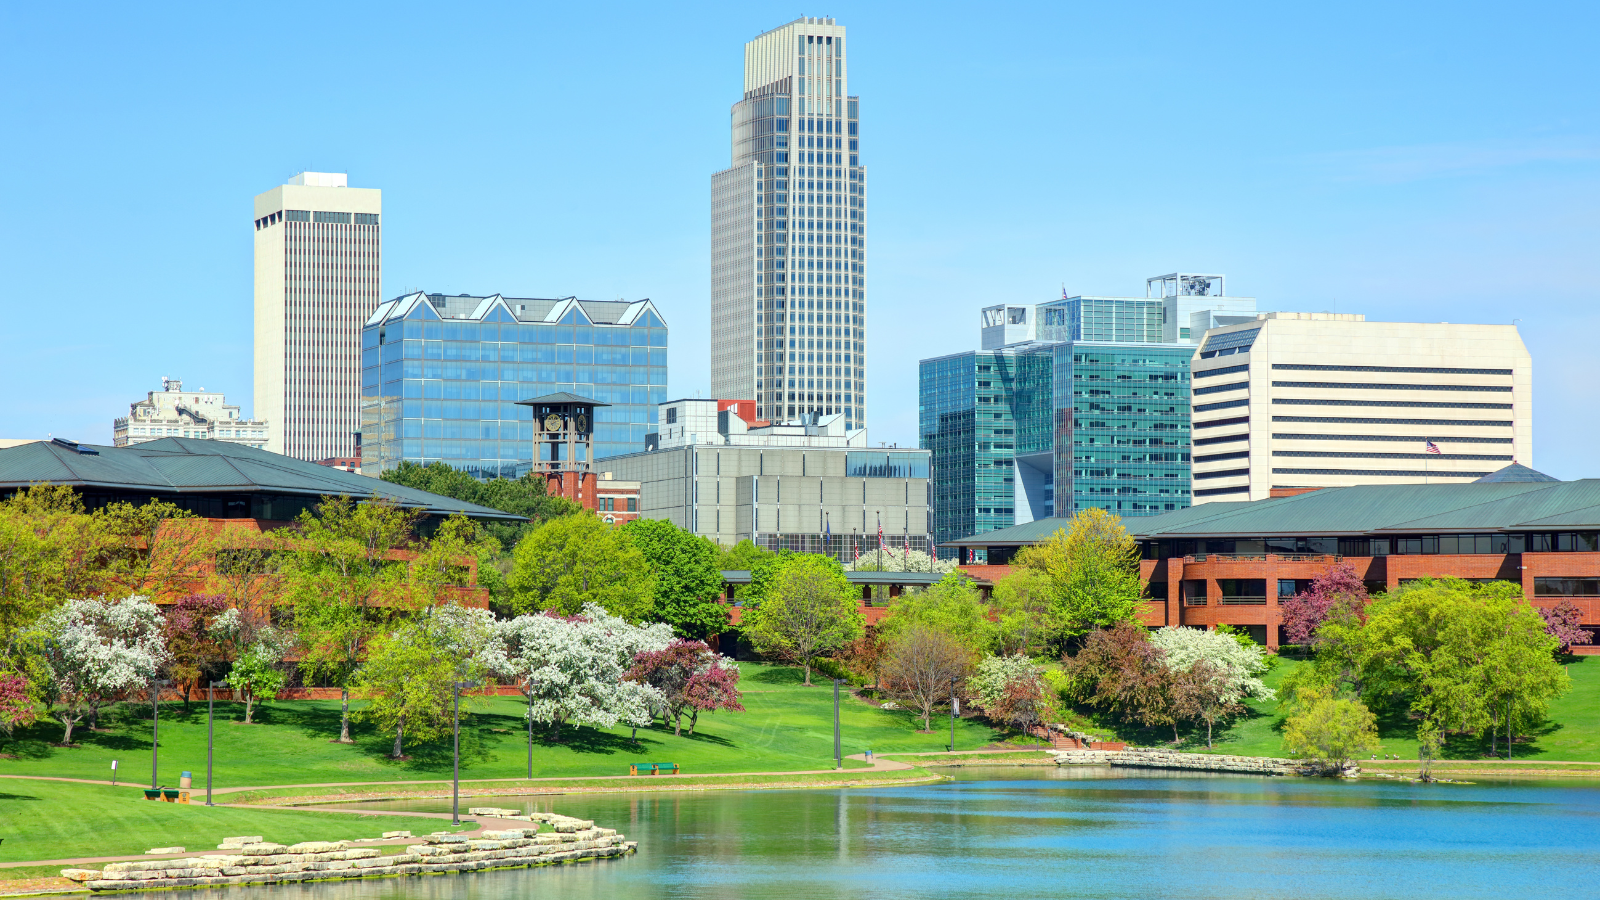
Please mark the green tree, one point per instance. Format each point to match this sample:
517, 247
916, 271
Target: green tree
763, 573
526, 496
1093, 568
579, 559
1332, 731
688, 578
743, 556
953, 605
408, 683
343, 579
1024, 620
809, 611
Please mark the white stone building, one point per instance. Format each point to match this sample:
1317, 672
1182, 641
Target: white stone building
175, 412
1290, 401
318, 277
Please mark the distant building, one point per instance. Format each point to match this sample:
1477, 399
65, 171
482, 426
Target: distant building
1076, 403
616, 502
443, 374
1287, 401
788, 232
175, 412
811, 485
318, 268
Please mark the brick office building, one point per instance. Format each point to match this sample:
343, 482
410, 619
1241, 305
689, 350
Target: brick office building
1232, 562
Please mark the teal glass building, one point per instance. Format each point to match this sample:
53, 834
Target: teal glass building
441, 375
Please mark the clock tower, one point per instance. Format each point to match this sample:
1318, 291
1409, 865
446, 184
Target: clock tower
562, 451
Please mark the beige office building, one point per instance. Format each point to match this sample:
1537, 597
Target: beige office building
319, 254
1307, 400
175, 412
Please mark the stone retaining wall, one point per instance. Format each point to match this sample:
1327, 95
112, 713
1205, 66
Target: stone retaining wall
570, 840
1148, 758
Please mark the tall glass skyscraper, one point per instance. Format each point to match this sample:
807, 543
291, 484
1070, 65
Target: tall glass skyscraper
788, 233
442, 374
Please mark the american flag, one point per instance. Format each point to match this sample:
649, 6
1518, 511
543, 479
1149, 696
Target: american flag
1432, 448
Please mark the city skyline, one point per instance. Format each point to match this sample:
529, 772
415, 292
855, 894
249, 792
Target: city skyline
1371, 183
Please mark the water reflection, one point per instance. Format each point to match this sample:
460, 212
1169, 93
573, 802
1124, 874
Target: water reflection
1056, 833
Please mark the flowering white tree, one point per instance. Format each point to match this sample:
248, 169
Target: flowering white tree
891, 559
988, 684
98, 649
1238, 664
258, 672
571, 669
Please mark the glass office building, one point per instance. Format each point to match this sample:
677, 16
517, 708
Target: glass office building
441, 375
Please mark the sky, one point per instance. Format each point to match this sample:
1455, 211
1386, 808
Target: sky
1412, 162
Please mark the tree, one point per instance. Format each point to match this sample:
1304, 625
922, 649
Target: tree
1093, 567
1011, 690
810, 611
408, 683
573, 561
344, 580
1205, 692
690, 678
743, 556
50, 549
763, 574
1121, 671
573, 669
527, 496
1239, 665
258, 672
901, 560
953, 605
1338, 587
1331, 731
924, 667
1563, 623
199, 631
18, 709
687, 577
1022, 607
99, 649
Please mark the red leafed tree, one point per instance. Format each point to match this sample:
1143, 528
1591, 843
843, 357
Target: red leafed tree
1304, 613
17, 709
195, 642
1561, 623
691, 678
1120, 671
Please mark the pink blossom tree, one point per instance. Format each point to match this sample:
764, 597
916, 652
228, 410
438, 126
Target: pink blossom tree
691, 678
1338, 586
1561, 623
17, 708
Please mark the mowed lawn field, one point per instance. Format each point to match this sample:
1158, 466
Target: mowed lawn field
1571, 732
786, 727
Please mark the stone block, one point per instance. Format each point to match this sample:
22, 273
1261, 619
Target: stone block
82, 875
319, 846
372, 863
262, 849
164, 850
243, 839
358, 853
389, 835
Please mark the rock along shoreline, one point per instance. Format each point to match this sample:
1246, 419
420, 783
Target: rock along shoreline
252, 861
1151, 758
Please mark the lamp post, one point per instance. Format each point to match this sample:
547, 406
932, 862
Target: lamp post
156, 684
455, 788
211, 709
955, 710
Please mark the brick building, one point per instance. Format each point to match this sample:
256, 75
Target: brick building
1233, 562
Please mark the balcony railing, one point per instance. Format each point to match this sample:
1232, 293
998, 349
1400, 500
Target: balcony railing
1244, 601
1262, 557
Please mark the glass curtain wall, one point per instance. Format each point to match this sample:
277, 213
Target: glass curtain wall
1130, 428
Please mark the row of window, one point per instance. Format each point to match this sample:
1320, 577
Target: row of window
1349, 386
612, 335
472, 351
1448, 544
1225, 370
1392, 404
1351, 420
1421, 370
1226, 404
1383, 473
1376, 437
1345, 454
1220, 388
618, 504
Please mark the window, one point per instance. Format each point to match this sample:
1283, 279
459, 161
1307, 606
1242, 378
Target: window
1341, 420
1220, 388
1566, 587
1226, 404
672, 415
1225, 370
633, 504
1194, 592
331, 218
1344, 386
296, 215
1427, 370
1243, 591
1288, 587
366, 218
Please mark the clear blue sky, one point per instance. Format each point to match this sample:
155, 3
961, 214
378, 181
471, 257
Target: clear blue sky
1424, 162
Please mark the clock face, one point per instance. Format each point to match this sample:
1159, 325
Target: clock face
552, 422
583, 424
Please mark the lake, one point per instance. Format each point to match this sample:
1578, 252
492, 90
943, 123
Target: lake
1022, 833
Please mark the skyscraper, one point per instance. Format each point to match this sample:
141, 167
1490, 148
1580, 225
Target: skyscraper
788, 233
318, 277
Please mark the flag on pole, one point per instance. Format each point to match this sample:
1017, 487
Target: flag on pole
880, 531
1433, 448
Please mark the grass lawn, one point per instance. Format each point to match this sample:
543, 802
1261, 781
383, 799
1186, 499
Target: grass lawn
1572, 732
56, 820
786, 727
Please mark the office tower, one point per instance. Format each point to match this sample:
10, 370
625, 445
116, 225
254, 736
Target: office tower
318, 277
442, 375
1293, 401
1076, 403
788, 233
175, 412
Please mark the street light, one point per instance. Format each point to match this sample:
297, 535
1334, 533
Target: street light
156, 684
955, 710
211, 709
455, 790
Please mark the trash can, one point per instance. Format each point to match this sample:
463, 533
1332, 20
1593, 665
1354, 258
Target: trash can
186, 781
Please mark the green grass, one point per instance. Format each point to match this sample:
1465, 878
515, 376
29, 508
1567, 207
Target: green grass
1571, 732
786, 727
57, 820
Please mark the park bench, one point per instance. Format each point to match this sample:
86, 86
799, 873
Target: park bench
152, 793
650, 768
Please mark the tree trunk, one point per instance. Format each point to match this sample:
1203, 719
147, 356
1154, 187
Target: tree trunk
187, 685
808, 674
1208, 734
693, 718
249, 707
67, 723
344, 716
399, 733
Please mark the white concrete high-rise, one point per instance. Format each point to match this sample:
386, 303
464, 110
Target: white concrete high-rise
788, 233
319, 255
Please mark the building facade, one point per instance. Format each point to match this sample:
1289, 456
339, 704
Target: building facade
809, 486
788, 233
175, 412
1288, 401
318, 277
443, 374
